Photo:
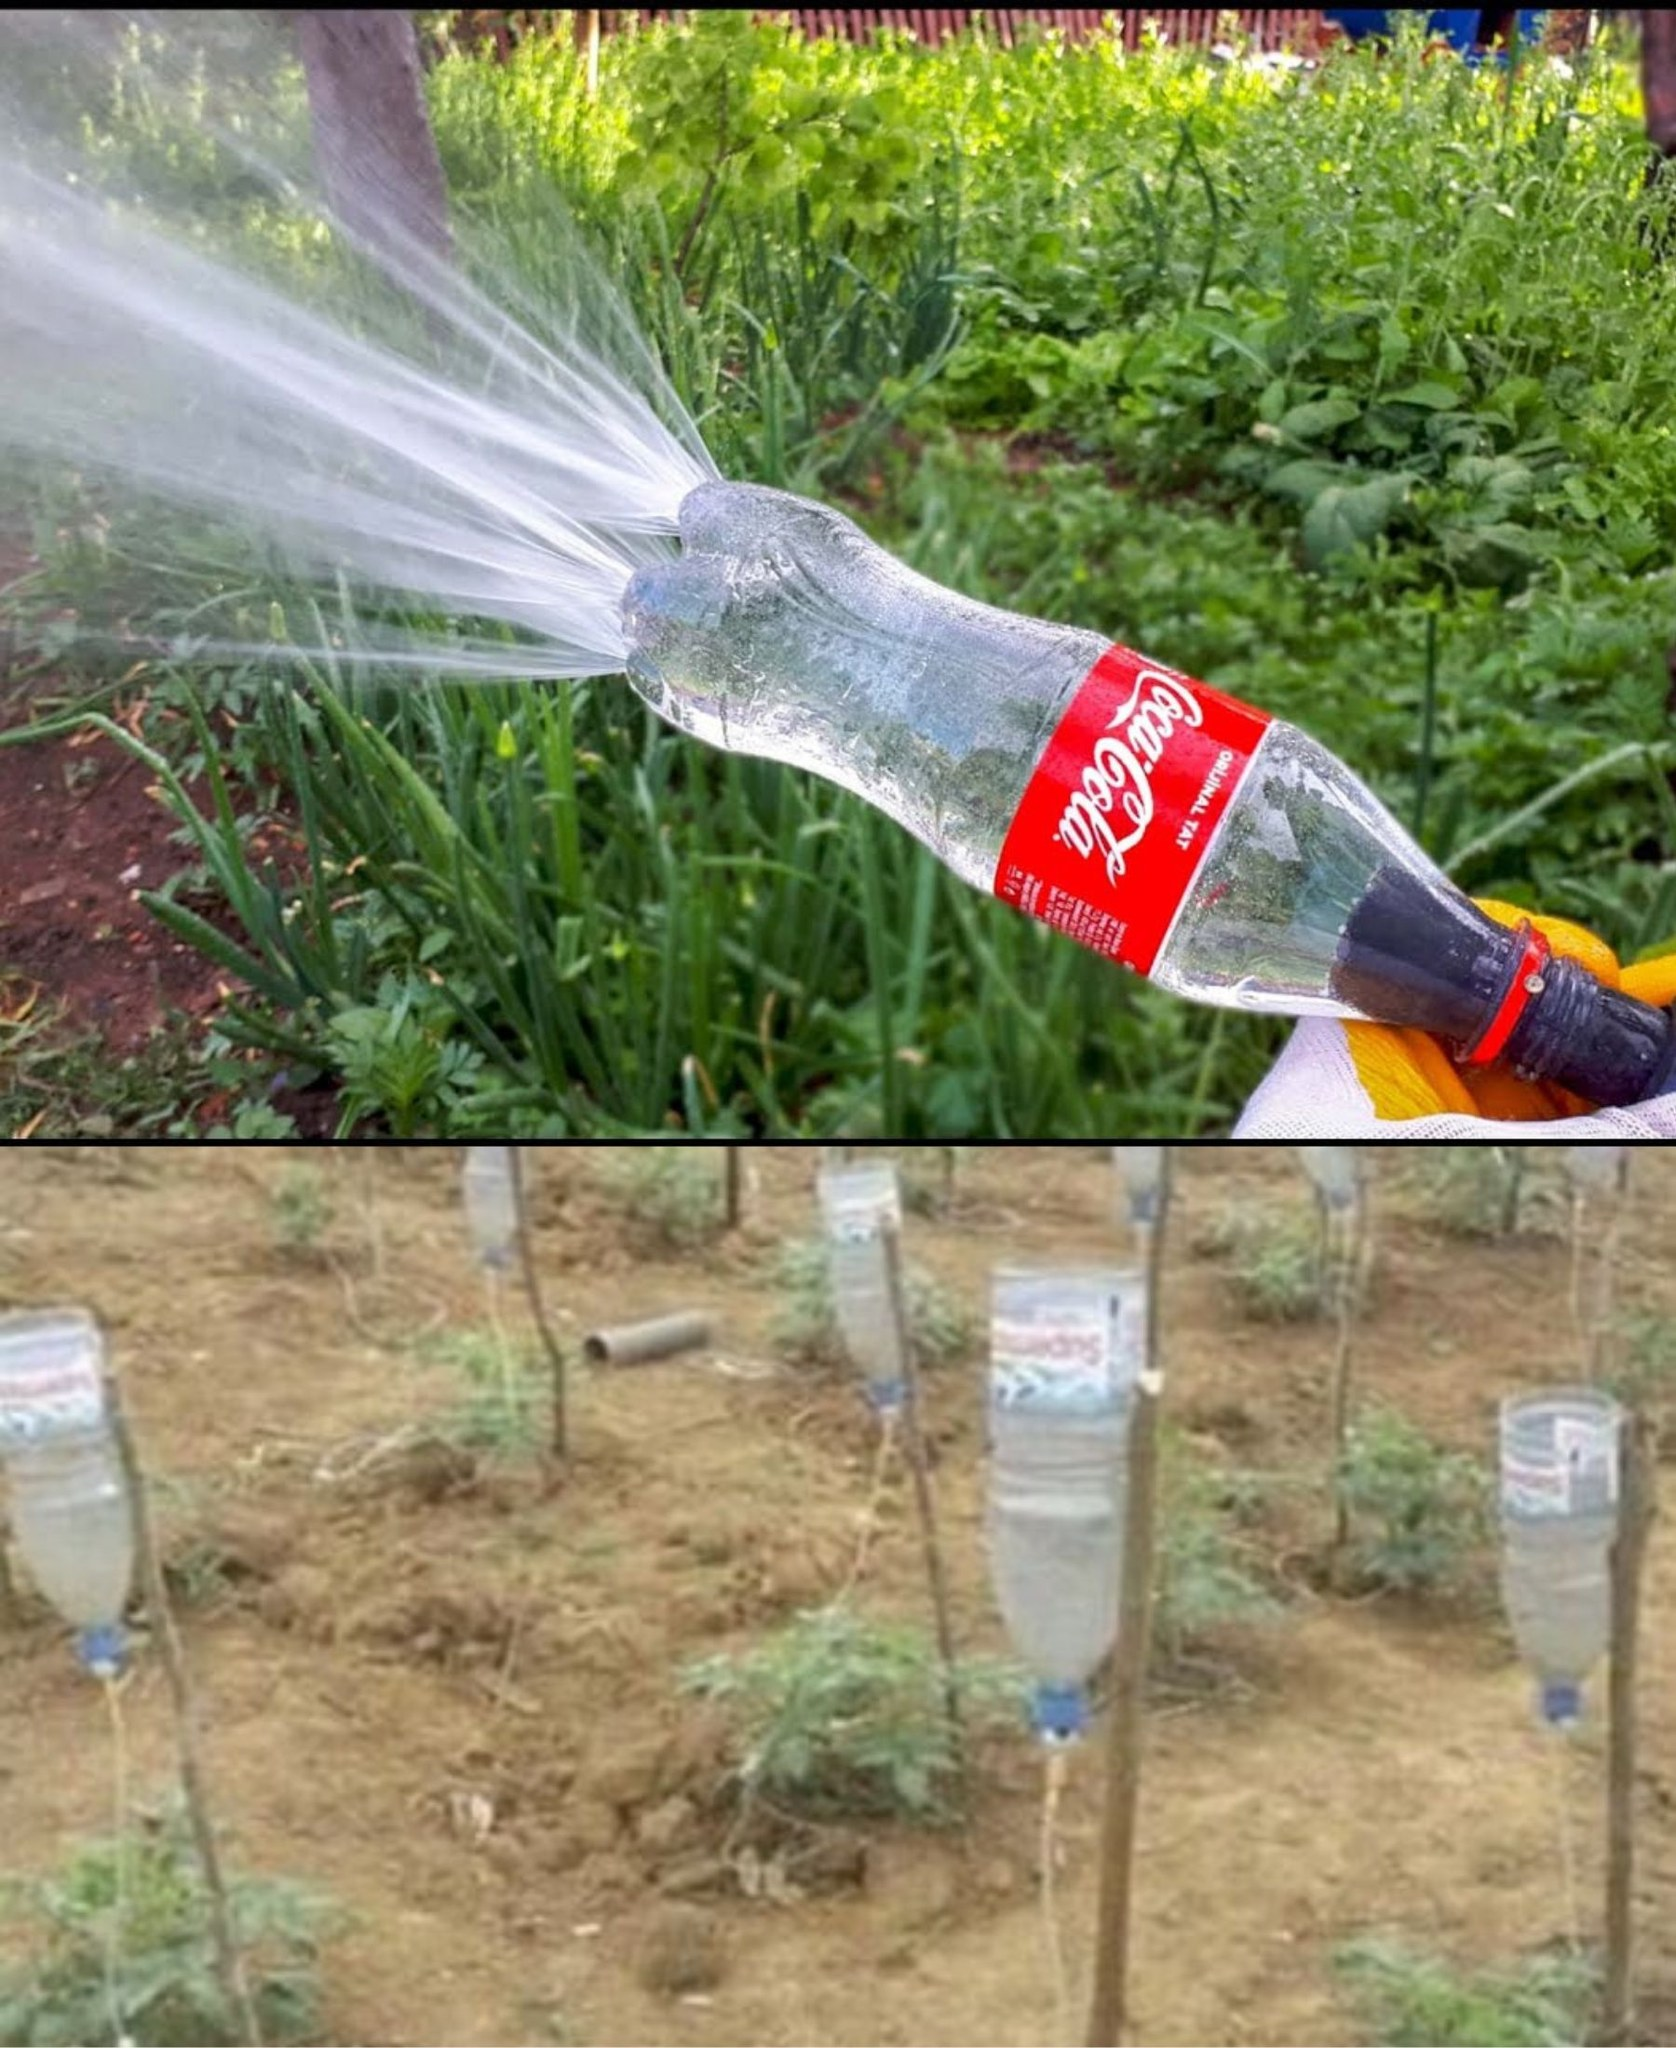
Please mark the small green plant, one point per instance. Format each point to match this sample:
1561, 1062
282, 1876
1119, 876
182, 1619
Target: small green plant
197, 1573
507, 1405
302, 1210
839, 1715
1274, 1261
927, 1174
804, 1325
122, 1950
1485, 1190
1643, 1369
673, 1194
1205, 1579
1417, 1511
1409, 2000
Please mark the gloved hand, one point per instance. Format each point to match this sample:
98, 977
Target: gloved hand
1375, 1081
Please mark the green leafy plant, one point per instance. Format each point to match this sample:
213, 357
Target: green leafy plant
671, 1194
1642, 1371
1206, 1575
804, 1324
839, 1715
1417, 1511
1412, 2000
301, 1204
506, 1409
1273, 1259
1485, 1190
118, 1946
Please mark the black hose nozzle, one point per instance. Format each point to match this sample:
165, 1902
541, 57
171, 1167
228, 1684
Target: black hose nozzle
1417, 952
1594, 1040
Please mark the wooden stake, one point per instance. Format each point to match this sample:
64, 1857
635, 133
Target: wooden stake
1514, 1163
538, 1308
369, 1201
1346, 1235
732, 1174
913, 1446
229, 1962
1579, 1269
1636, 1509
1606, 1288
1109, 2014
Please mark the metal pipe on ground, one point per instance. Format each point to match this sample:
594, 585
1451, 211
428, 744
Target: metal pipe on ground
636, 1343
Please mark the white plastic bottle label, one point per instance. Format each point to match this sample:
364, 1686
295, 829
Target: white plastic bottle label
1534, 1492
1588, 1450
52, 1399
1120, 811
1073, 1359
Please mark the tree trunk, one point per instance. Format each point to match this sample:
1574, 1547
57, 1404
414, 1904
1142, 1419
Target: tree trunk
587, 41
373, 145
1658, 80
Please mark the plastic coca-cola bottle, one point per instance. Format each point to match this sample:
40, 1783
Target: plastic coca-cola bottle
1222, 853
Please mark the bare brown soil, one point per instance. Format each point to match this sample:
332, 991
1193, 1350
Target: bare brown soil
446, 1692
83, 837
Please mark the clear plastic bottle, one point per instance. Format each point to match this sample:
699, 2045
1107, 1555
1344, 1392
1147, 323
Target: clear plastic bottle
1066, 1349
858, 1205
1559, 1518
69, 1501
1596, 1170
1223, 853
1140, 1168
491, 1205
1334, 1173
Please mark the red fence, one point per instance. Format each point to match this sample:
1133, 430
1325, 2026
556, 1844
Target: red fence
1269, 28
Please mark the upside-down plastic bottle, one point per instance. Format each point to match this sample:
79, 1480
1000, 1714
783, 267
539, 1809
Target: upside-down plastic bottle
1559, 1518
491, 1205
69, 1498
859, 1204
1221, 852
1066, 1349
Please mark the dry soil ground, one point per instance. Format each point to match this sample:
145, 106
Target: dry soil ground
384, 1657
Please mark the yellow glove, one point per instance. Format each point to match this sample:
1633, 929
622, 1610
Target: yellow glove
1378, 1080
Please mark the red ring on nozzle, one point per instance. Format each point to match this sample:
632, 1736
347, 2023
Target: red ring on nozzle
1491, 1042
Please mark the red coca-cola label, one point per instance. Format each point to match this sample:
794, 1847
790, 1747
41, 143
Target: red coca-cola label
1120, 811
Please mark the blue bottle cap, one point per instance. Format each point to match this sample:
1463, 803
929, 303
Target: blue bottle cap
884, 1397
1059, 1713
1562, 1703
103, 1650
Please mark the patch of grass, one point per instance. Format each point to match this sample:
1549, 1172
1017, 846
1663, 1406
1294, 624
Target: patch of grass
1418, 1512
159, 1986
804, 1325
1412, 2000
839, 1715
